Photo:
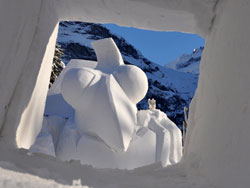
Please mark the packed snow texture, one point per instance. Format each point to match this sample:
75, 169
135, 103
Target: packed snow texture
217, 140
106, 131
217, 143
24, 170
11, 178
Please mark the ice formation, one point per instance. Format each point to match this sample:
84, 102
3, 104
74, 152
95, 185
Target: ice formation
103, 127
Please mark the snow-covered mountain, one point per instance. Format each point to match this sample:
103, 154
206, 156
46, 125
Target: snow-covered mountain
189, 63
172, 89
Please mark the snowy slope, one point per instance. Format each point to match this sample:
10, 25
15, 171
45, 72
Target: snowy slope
189, 63
172, 89
21, 170
14, 179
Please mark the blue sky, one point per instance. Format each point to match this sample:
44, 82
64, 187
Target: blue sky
159, 47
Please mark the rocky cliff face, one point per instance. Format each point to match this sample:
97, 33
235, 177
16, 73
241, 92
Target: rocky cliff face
172, 89
189, 63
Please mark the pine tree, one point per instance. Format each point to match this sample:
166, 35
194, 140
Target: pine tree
57, 65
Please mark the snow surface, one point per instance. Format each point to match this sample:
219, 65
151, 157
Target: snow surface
219, 118
12, 179
217, 140
18, 169
133, 81
192, 16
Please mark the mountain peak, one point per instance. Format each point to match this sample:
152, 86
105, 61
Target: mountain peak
189, 63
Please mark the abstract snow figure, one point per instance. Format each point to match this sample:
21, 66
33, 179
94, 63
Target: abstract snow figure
96, 91
104, 128
168, 136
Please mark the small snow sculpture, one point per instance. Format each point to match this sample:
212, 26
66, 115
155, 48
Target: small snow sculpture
104, 128
152, 104
168, 136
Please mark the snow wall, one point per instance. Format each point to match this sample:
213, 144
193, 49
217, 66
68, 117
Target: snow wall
218, 136
217, 139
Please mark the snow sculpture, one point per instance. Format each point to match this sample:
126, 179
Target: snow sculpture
104, 128
168, 136
112, 97
27, 45
152, 104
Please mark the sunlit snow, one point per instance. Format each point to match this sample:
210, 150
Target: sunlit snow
96, 120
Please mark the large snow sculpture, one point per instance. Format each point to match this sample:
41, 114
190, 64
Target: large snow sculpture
91, 91
104, 128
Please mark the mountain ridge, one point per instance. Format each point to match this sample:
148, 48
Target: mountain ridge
189, 63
